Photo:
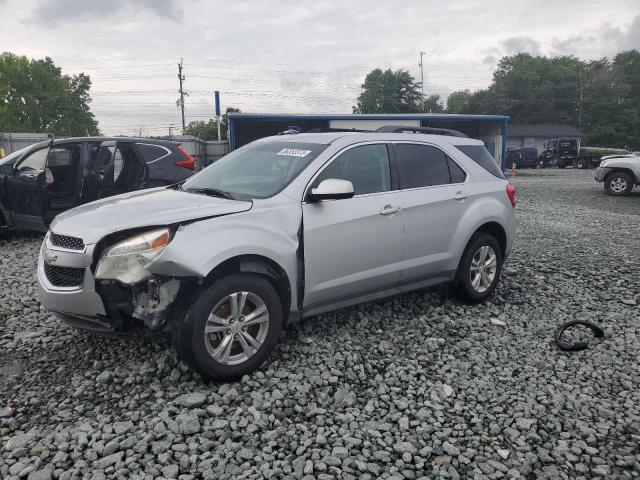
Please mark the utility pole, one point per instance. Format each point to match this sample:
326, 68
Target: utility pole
422, 77
181, 101
580, 102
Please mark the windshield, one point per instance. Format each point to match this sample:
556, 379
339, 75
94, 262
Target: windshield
14, 156
257, 170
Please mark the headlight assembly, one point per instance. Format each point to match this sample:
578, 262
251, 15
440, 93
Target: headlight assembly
126, 261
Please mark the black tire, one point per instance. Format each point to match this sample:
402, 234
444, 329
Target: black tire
541, 164
188, 327
562, 165
462, 286
580, 163
618, 183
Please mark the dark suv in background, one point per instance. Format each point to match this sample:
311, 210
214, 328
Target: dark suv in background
42, 180
525, 157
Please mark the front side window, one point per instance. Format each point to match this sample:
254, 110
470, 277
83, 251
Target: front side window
366, 167
422, 166
257, 170
35, 162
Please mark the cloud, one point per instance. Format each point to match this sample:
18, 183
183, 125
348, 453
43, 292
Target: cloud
54, 12
603, 41
515, 45
632, 37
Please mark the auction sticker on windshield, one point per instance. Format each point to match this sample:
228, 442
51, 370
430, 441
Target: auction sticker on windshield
294, 152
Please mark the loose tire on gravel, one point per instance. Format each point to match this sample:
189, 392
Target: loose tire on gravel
230, 327
482, 257
618, 183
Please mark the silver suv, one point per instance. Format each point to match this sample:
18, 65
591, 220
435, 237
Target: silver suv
286, 227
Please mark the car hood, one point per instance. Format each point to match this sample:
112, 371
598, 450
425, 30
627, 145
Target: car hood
162, 206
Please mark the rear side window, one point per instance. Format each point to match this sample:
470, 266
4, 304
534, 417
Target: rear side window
151, 153
480, 155
422, 166
457, 174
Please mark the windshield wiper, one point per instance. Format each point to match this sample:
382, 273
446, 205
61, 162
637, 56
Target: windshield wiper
211, 191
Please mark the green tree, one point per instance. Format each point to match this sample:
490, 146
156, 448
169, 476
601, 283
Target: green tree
389, 92
600, 97
458, 102
209, 130
36, 97
433, 104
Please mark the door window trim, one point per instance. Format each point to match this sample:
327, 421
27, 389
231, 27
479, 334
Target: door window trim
392, 170
449, 157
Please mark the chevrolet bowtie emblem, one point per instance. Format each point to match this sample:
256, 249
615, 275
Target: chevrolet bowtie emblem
49, 256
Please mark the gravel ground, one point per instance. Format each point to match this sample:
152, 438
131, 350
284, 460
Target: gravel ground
415, 386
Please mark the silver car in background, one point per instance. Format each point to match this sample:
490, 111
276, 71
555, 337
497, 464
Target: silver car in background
619, 173
286, 227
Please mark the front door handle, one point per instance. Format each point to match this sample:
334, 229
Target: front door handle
460, 195
389, 210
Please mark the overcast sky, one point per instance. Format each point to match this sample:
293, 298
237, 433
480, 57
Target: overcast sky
293, 55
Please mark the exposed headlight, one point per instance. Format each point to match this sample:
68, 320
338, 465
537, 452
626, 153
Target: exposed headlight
126, 261
604, 163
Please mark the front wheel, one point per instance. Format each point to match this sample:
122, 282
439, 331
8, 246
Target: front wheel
541, 164
618, 183
230, 329
581, 163
479, 269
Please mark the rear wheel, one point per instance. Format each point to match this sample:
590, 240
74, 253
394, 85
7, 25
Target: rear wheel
231, 327
618, 183
479, 270
580, 163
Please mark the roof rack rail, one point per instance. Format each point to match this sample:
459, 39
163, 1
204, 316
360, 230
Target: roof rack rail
428, 130
327, 130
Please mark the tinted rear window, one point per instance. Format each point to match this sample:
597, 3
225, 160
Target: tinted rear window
480, 155
151, 153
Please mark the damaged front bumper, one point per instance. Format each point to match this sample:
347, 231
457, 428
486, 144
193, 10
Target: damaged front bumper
67, 287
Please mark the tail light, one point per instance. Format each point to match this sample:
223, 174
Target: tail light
189, 162
511, 193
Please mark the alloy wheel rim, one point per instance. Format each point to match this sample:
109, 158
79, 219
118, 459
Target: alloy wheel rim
484, 265
236, 328
618, 184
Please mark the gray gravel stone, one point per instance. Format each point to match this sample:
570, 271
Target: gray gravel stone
191, 400
366, 399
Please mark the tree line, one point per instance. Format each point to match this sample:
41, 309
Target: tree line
600, 97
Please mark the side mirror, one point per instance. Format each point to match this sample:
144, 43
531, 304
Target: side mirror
6, 168
332, 189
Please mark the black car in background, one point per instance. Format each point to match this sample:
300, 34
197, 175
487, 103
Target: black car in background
525, 157
42, 180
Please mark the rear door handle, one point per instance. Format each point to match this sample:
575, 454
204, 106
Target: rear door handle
460, 195
389, 210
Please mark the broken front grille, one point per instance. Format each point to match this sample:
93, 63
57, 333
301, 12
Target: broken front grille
63, 241
64, 276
